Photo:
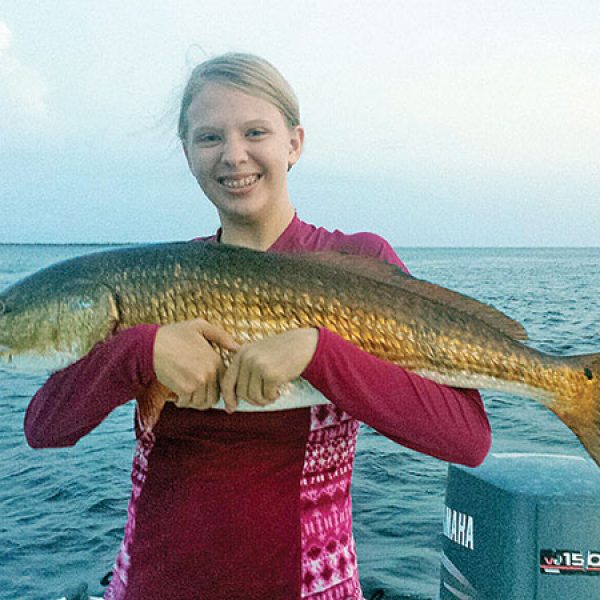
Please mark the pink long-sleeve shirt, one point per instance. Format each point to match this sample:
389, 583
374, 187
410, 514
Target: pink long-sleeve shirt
254, 505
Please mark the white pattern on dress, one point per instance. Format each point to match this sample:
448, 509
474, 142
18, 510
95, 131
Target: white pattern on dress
118, 584
329, 568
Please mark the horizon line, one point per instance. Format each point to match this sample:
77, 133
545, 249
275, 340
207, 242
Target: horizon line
416, 247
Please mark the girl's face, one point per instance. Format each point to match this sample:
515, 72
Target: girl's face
239, 149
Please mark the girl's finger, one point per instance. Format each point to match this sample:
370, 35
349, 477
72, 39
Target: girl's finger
270, 391
228, 385
242, 385
183, 401
255, 389
212, 393
216, 334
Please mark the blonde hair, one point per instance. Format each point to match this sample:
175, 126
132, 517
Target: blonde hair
248, 73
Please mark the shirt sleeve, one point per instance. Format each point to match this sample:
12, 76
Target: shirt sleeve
445, 422
77, 399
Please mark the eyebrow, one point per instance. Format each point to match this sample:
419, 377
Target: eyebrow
252, 123
258, 122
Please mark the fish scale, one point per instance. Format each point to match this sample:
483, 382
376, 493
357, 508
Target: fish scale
445, 336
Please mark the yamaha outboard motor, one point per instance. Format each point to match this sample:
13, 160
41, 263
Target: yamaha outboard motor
522, 527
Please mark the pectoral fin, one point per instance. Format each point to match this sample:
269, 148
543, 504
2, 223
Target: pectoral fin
150, 404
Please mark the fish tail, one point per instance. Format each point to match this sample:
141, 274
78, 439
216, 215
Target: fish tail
592, 374
150, 404
584, 415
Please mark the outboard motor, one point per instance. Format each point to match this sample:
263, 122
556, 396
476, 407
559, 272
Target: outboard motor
522, 527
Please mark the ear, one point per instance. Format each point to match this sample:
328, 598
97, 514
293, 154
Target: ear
296, 145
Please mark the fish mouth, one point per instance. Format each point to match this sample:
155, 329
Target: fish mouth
5, 355
239, 183
33, 362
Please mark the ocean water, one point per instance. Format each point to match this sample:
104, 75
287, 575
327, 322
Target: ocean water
62, 512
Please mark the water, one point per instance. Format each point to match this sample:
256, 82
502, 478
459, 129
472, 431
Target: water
62, 512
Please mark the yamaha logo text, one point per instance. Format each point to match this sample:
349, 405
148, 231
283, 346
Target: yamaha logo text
459, 527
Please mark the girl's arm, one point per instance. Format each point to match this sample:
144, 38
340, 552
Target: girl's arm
77, 399
445, 422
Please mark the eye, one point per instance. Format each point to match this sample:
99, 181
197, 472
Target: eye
256, 132
206, 139
3, 308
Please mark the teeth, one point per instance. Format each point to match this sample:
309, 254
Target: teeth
239, 183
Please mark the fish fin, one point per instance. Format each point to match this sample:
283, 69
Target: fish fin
583, 414
98, 301
391, 274
150, 404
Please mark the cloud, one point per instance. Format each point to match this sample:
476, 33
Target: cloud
5, 37
23, 91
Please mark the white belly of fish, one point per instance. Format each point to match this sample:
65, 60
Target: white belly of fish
296, 394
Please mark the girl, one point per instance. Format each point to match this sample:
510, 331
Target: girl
229, 500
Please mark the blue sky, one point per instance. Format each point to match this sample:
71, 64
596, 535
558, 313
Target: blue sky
431, 122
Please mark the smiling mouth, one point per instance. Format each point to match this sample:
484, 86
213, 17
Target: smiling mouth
238, 183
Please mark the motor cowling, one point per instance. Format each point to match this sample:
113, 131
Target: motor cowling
522, 527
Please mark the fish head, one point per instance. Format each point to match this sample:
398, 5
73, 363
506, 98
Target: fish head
48, 322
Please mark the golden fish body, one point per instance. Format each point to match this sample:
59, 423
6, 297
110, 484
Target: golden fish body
69, 307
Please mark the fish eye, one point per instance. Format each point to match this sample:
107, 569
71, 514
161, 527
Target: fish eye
588, 373
79, 305
3, 308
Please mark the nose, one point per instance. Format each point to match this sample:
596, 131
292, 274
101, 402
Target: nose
234, 151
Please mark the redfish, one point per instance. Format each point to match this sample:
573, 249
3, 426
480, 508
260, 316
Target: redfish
64, 310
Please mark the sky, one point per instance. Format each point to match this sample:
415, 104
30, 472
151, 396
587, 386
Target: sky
430, 122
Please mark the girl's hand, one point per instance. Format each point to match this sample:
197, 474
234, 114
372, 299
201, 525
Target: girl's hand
185, 362
260, 368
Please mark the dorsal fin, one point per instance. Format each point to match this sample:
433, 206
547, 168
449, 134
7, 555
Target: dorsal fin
394, 275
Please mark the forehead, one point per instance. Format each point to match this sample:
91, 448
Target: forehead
218, 105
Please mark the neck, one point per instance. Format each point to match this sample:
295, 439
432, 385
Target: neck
257, 235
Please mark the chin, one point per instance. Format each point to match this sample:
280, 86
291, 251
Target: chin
245, 213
